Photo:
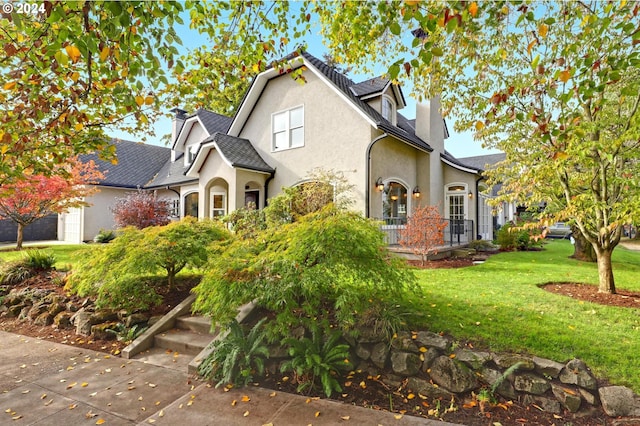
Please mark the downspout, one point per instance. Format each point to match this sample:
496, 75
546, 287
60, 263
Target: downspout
368, 173
478, 207
266, 187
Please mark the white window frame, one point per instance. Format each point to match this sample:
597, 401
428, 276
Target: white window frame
392, 109
288, 129
222, 211
190, 156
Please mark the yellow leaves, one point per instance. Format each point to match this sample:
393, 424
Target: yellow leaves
139, 100
564, 76
9, 85
256, 68
148, 100
4, 148
411, 396
104, 53
245, 398
543, 29
317, 414
473, 9
398, 416
530, 46
73, 52
479, 125
100, 421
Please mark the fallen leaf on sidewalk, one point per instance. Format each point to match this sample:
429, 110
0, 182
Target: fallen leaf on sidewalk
345, 417
246, 414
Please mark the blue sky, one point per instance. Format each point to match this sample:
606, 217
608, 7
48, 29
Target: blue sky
458, 144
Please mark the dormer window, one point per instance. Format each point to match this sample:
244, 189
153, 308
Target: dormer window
191, 153
388, 109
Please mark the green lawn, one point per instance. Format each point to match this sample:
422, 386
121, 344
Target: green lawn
64, 254
500, 306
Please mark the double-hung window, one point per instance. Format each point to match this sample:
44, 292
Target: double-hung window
287, 129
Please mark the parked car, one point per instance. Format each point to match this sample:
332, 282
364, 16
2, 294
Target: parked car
559, 230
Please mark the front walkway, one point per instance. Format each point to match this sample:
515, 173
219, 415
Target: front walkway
45, 383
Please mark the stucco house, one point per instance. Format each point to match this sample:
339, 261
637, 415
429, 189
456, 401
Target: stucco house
284, 129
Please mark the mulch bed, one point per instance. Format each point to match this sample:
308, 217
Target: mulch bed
589, 293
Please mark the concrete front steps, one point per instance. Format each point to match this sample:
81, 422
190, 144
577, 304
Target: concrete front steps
175, 341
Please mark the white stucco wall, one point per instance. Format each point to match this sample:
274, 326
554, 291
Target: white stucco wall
336, 135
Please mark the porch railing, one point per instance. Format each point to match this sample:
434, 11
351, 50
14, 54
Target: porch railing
457, 231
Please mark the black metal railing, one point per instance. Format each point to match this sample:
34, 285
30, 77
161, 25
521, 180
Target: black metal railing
457, 232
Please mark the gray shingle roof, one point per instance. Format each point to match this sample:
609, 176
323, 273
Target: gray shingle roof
172, 173
343, 83
483, 162
137, 164
239, 152
212, 121
369, 87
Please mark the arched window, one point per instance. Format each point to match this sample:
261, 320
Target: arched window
191, 204
394, 202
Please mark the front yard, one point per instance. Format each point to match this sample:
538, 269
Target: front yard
501, 305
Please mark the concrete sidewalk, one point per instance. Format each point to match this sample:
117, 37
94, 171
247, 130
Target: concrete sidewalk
45, 383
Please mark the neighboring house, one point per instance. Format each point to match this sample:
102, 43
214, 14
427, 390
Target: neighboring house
281, 131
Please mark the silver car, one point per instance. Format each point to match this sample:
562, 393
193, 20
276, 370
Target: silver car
559, 230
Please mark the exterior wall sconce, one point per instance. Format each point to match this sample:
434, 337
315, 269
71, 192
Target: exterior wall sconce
416, 192
379, 184
470, 195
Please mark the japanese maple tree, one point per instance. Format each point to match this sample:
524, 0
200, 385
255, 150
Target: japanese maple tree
424, 232
141, 209
35, 196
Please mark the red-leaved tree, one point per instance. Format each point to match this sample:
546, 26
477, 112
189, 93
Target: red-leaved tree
141, 209
35, 196
424, 232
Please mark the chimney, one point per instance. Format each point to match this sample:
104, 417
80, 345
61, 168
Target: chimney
430, 124
178, 121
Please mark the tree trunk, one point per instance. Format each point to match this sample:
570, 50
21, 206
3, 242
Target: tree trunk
582, 249
605, 272
20, 236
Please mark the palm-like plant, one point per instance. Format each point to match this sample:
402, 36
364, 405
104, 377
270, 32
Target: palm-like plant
237, 357
316, 359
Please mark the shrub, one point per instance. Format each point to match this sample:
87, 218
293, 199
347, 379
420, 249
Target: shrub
511, 237
141, 209
317, 359
236, 357
118, 271
39, 260
481, 245
246, 222
104, 236
13, 273
329, 267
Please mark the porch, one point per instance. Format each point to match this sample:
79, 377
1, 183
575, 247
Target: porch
457, 235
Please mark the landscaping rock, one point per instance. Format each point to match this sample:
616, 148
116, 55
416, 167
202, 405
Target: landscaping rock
428, 357
380, 354
617, 400
433, 340
133, 319
56, 308
427, 389
363, 351
453, 375
104, 331
101, 317
588, 396
577, 373
569, 398
14, 310
491, 376
529, 383
507, 360
43, 319
405, 363
549, 405
474, 359
82, 321
62, 320
404, 342
37, 309
547, 367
